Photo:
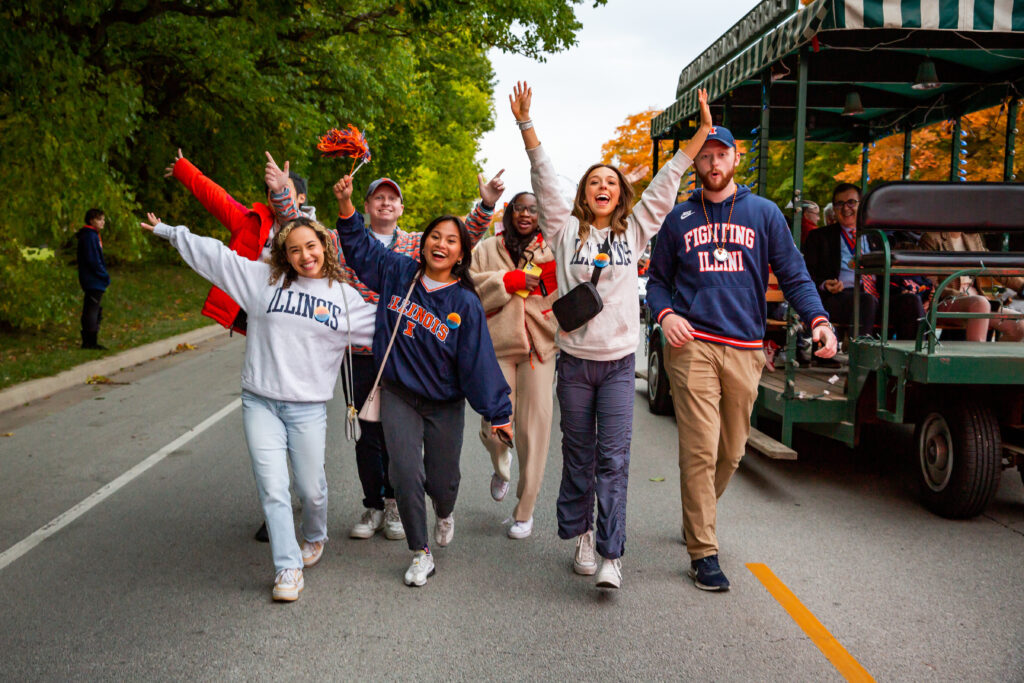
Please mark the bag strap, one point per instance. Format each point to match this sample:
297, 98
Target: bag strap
394, 333
596, 275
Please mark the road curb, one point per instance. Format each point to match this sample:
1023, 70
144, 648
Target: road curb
20, 394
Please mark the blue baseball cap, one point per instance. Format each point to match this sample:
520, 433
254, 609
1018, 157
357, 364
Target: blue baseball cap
723, 135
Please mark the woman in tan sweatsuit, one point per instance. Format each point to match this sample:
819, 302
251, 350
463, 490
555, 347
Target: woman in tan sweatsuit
514, 274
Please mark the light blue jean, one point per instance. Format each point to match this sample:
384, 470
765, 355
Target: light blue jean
279, 432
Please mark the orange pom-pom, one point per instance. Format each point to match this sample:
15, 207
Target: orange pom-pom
344, 143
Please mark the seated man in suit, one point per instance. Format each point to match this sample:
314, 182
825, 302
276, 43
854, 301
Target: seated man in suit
829, 253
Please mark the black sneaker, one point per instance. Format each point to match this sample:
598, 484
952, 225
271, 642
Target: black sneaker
707, 575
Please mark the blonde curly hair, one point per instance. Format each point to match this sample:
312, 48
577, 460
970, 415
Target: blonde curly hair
279, 265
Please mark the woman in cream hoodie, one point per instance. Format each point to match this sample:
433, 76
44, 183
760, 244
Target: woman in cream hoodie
514, 273
597, 364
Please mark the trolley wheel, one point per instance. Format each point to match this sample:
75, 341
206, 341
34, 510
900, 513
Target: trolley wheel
959, 454
659, 399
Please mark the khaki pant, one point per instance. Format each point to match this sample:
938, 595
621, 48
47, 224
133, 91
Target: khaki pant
531, 382
713, 392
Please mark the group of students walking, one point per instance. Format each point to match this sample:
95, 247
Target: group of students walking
421, 325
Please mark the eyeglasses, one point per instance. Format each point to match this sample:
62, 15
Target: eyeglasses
525, 208
852, 203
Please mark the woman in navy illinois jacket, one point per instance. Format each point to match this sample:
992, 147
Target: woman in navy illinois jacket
442, 354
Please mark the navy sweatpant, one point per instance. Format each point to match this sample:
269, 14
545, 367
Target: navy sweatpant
595, 399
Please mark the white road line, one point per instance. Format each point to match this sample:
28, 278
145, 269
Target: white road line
62, 520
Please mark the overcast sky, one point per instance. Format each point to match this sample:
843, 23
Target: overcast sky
627, 59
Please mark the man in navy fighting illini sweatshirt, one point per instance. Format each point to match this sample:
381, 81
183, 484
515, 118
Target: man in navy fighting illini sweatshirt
708, 276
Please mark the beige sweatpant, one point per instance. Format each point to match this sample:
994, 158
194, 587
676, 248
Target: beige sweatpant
532, 396
713, 392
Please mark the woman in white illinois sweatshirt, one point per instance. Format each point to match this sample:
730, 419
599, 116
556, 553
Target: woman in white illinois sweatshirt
600, 229
298, 310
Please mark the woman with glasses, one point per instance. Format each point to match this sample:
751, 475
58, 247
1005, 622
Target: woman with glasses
514, 274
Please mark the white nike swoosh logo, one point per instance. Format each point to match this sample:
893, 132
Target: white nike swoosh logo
685, 214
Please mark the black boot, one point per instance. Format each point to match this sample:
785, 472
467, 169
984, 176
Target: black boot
89, 341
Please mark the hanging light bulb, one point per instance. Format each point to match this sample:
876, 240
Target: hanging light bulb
927, 78
853, 104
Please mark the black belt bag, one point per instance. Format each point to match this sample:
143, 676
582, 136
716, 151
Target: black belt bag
583, 302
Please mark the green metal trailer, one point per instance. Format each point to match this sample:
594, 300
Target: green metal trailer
784, 73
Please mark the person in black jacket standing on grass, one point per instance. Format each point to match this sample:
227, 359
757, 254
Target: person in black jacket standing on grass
92, 276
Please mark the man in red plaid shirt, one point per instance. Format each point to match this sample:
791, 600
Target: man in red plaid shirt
383, 208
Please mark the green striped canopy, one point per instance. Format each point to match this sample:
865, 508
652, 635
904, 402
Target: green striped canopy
873, 47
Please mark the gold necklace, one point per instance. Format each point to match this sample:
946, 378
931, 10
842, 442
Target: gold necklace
720, 254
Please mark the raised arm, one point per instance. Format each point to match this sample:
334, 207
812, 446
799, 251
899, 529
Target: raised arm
479, 219
281, 198
363, 254
239, 277
660, 196
212, 196
554, 209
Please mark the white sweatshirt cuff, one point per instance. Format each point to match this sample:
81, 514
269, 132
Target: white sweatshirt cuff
163, 230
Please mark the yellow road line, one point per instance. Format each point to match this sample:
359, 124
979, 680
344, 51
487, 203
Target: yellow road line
849, 667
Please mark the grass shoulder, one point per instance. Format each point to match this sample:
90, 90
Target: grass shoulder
145, 303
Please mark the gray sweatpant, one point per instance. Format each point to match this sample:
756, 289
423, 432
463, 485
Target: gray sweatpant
424, 441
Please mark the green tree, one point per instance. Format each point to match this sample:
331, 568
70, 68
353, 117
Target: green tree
95, 97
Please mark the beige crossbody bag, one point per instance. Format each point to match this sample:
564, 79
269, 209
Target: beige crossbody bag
371, 408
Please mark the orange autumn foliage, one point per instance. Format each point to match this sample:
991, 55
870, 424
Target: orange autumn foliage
985, 135
632, 148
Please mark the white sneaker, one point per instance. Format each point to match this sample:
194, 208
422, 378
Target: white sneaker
610, 575
444, 529
421, 569
288, 584
393, 529
369, 524
499, 487
312, 551
521, 529
585, 562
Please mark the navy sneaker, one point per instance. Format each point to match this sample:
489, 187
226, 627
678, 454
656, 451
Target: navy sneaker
707, 575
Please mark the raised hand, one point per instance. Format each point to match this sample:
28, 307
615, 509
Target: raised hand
522, 95
343, 188
490, 190
637, 173
169, 171
151, 217
705, 110
275, 177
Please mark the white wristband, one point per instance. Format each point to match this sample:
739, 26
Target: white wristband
525, 125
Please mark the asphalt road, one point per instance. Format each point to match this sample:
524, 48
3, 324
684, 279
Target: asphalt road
162, 580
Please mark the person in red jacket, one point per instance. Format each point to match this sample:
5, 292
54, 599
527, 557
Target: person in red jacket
251, 228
